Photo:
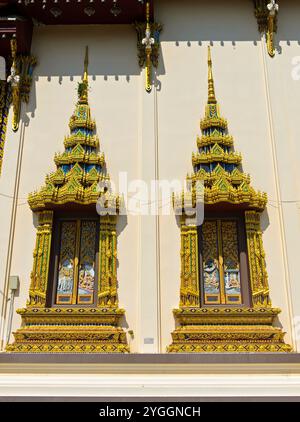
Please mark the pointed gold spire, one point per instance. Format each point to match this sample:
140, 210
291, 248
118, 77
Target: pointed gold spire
86, 64
211, 87
83, 86
148, 13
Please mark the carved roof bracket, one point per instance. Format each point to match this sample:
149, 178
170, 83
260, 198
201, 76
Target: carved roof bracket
148, 44
19, 80
266, 13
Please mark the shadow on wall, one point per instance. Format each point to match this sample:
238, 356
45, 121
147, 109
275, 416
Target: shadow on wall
60, 54
112, 50
265, 222
220, 21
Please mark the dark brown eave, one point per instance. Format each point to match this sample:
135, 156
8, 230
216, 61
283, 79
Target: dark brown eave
17, 17
70, 207
74, 12
15, 27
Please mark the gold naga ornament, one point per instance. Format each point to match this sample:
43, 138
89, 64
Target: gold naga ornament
148, 46
202, 326
266, 12
20, 79
78, 183
14, 90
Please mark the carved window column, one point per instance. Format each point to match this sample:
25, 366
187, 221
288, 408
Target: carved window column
189, 290
257, 265
41, 260
107, 289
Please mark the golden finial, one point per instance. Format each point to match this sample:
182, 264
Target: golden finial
211, 87
13, 46
148, 16
83, 86
147, 12
86, 63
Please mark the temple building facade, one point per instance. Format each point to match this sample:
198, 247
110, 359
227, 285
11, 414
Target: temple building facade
150, 213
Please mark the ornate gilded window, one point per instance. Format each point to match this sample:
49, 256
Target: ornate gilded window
224, 302
75, 275
73, 296
221, 272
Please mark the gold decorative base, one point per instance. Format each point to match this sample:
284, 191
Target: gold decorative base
227, 330
70, 330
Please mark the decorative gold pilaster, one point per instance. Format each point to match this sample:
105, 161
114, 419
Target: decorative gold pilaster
41, 258
189, 289
14, 80
222, 328
266, 13
107, 290
256, 257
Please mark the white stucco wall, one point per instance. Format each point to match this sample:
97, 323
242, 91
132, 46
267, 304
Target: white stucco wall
256, 94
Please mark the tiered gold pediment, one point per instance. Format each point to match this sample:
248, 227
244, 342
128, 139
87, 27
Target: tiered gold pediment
218, 165
80, 167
